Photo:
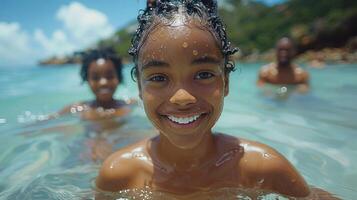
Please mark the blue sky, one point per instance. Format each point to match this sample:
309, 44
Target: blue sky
35, 29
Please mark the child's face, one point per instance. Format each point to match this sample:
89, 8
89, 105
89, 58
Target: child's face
182, 82
102, 79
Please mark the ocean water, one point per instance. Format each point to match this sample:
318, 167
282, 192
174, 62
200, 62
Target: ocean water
316, 131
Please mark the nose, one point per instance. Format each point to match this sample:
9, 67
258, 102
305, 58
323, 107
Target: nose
182, 98
103, 81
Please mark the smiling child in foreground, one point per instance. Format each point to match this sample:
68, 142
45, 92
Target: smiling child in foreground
182, 66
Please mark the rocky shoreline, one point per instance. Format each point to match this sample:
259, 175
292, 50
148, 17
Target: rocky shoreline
327, 55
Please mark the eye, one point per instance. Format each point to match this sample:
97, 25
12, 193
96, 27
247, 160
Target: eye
157, 78
110, 76
94, 78
204, 75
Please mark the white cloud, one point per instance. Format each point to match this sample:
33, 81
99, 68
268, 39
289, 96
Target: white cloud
82, 27
58, 44
14, 44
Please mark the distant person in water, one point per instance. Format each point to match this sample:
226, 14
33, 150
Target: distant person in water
102, 69
283, 71
182, 63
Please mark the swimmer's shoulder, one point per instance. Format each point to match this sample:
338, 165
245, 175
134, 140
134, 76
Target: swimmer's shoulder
266, 167
121, 169
268, 72
302, 76
265, 70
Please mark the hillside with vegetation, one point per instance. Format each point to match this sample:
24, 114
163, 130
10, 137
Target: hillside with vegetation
323, 26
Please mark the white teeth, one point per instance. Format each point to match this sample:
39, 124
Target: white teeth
183, 120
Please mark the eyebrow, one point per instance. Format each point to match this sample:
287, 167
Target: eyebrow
155, 63
205, 60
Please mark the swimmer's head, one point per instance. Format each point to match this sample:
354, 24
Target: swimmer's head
178, 12
100, 57
284, 51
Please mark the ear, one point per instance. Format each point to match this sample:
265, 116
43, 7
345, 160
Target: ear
139, 87
226, 84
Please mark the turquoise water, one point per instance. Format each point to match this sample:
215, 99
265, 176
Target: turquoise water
317, 131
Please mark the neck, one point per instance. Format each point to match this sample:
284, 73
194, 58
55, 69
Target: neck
285, 65
186, 159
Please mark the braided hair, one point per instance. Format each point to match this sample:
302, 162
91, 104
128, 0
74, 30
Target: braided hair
163, 11
106, 54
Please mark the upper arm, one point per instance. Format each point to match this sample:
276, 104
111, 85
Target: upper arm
284, 177
304, 85
265, 168
115, 174
263, 73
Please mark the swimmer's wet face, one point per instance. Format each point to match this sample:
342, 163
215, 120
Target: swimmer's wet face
284, 52
102, 79
182, 81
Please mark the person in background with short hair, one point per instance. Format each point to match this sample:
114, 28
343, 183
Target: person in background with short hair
283, 71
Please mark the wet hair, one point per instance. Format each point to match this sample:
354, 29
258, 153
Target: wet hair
106, 54
163, 11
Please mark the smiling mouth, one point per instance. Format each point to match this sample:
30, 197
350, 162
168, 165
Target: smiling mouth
183, 120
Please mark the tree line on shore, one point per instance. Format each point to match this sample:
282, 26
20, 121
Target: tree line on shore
314, 26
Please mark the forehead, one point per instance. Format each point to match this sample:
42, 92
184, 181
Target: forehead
190, 38
284, 44
100, 65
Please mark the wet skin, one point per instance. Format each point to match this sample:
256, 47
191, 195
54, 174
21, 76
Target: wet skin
283, 71
182, 84
103, 82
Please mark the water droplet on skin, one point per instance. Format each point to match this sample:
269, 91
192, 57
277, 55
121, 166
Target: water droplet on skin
226, 157
184, 45
195, 52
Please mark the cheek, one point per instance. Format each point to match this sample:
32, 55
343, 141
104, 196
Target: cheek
116, 83
149, 100
91, 84
214, 90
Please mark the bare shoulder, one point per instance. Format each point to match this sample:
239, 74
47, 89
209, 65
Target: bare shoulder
302, 76
270, 170
266, 69
121, 168
266, 72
